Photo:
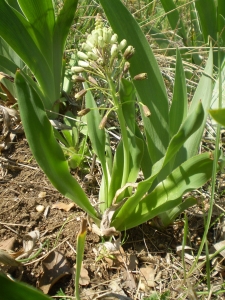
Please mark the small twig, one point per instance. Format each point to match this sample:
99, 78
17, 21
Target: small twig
12, 230
12, 224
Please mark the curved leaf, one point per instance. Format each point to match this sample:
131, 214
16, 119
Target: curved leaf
16, 290
190, 175
44, 146
218, 115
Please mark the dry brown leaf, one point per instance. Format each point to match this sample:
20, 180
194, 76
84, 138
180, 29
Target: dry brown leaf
148, 276
61, 205
128, 280
219, 246
55, 266
84, 278
7, 244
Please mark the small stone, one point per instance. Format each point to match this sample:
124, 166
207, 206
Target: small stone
40, 208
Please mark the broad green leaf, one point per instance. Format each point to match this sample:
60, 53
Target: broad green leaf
218, 115
39, 40
14, 290
7, 52
190, 175
179, 106
44, 146
41, 17
18, 33
151, 91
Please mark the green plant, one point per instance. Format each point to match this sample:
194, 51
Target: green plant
165, 151
16, 290
38, 37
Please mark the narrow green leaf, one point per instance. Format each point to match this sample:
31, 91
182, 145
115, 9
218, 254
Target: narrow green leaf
203, 93
98, 141
151, 91
127, 98
179, 106
44, 146
17, 290
61, 30
174, 19
190, 175
207, 17
80, 253
166, 218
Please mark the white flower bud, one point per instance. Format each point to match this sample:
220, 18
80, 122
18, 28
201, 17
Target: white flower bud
106, 34
82, 63
122, 44
86, 47
92, 55
77, 69
100, 42
100, 32
114, 38
114, 50
82, 55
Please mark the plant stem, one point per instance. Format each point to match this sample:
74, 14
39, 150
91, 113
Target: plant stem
123, 128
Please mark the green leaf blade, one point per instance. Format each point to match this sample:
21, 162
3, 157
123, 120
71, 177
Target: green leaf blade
44, 147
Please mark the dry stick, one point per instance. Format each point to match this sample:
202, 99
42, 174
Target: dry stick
12, 224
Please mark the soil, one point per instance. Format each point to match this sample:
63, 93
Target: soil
144, 248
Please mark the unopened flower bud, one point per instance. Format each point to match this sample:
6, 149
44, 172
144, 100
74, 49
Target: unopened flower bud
114, 38
146, 110
100, 32
83, 112
103, 122
92, 80
77, 78
92, 55
128, 53
86, 47
100, 42
122, 44
114, 50
90, 43
77, 69
141, 76
106, 34
80, 94
82, 63
82, 55
126, 67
